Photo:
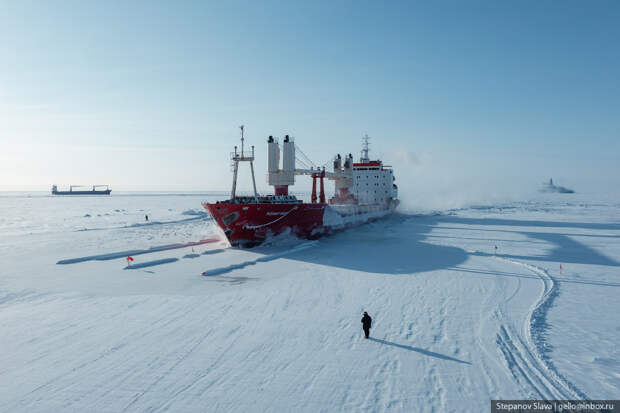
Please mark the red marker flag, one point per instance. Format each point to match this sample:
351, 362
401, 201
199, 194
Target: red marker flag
129, 260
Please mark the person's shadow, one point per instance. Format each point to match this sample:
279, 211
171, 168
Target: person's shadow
419, 350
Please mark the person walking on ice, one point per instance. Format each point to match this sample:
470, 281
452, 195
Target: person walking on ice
366, 324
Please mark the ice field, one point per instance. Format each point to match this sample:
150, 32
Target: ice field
277, 328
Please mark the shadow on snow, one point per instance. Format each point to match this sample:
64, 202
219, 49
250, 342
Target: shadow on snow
396, 245
419, 350
565, 249
390, 246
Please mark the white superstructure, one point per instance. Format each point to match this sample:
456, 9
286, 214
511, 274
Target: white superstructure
373, 183
368, 182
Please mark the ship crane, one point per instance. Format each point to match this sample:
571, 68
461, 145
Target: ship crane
282, 178
100, 186
342, 176
86, 186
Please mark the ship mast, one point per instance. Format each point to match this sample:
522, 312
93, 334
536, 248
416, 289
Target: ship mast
365, 142
235, 157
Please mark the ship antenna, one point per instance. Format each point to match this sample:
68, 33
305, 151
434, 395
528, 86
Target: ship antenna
241, 127
365, 149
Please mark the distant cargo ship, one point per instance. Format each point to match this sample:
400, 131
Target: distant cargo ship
550, 187
93, 191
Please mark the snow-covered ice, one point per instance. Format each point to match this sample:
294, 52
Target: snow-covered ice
198, 326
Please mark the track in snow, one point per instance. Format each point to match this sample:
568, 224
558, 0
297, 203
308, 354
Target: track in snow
525, 353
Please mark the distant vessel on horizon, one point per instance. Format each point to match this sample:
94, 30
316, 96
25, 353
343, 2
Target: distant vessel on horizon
550, 187
93, 191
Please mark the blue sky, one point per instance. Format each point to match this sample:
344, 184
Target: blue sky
149, 95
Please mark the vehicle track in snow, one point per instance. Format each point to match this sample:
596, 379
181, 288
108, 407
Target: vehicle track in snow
524, 348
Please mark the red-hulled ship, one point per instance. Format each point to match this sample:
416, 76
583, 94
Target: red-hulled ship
364, 191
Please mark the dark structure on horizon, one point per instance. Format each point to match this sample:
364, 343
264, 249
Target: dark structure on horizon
550, 187
93, 191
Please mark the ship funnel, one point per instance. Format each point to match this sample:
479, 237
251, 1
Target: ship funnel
348, 163
288, 155
337, 163
273, 155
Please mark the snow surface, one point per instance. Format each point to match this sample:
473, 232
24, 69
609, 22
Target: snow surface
277, 328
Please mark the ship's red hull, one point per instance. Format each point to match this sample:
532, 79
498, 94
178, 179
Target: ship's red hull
251, 224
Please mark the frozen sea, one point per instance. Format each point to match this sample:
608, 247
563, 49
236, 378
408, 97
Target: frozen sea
457, 321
